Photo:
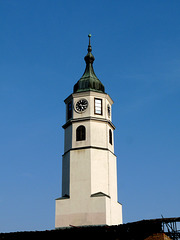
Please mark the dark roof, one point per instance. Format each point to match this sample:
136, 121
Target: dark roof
89, 80
129, 231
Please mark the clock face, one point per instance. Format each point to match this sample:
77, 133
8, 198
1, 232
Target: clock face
81, 105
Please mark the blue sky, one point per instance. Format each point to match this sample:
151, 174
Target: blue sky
137, 58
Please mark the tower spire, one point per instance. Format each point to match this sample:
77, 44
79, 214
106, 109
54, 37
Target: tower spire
89, 80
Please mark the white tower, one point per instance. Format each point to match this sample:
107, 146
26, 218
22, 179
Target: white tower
89, 172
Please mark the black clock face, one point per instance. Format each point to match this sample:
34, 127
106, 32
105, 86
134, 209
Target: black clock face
81, 105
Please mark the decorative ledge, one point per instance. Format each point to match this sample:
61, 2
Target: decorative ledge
100, 194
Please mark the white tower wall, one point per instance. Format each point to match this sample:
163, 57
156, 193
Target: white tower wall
89, 172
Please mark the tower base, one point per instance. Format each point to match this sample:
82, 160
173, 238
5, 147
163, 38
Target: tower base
99, 209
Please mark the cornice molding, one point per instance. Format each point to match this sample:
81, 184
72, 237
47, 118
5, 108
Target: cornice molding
88, 119
88, 93
86, 147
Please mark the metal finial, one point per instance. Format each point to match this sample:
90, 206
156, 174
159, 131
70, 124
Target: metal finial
89, 35
89, 46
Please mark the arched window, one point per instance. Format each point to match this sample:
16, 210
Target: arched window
81, 133
110, 136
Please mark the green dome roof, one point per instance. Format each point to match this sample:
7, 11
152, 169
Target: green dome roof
89, 81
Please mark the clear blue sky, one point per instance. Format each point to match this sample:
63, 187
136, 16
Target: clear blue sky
42, 47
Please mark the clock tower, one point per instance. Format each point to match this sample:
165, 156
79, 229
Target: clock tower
89, 172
